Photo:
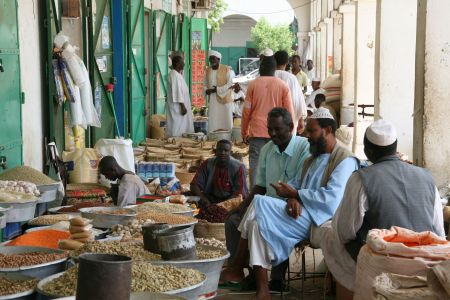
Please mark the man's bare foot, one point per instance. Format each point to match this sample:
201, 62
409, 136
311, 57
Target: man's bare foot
232, 274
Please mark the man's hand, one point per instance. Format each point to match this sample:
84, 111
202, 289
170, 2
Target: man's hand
293, 208
183, 109
245, 139
284, 190
211, 91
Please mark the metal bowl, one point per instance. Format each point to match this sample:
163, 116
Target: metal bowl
107, 220
36, 271
189, 292
210, 267
54, 210
141, 296
21, 211
25, 295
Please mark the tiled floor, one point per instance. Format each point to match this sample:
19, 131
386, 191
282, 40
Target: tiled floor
314, 287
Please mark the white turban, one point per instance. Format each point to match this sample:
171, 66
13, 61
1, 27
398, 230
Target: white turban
266, 52
322, 113
215, 53
381, 133
316, 79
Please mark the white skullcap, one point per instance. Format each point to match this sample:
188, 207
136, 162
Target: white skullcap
215, 53
316, 79
267, 52
322, 113
381, 133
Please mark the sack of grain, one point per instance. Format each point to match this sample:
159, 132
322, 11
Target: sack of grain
206, 230
158, 126
82, 165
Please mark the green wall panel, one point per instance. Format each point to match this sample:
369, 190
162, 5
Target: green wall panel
136, 69
10, 99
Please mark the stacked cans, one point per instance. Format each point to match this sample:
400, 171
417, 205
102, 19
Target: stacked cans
150, 170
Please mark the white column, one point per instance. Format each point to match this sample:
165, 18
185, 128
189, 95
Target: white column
395, 67
337, 41
312, 45
348, 54
364, 67
436, 140
329, 49
318, 59
323, 51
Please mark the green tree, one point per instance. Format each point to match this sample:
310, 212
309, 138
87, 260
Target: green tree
275, 37
215, 16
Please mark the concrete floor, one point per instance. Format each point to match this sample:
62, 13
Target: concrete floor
314, 287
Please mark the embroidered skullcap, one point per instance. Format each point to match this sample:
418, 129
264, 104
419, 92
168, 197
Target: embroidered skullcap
322, 113
381, 133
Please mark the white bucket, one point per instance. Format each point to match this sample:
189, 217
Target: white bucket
347, 115
236, 135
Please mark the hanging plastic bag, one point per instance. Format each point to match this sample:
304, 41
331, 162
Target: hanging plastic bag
72, 64
122, 150
87, 102
59, 88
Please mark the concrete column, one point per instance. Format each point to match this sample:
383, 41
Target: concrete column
348, 54
365, 66
395, 67
323, 51
329, 49
436, 131
312, 45
318, 59
337, 41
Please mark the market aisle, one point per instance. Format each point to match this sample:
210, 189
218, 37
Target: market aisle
313, 287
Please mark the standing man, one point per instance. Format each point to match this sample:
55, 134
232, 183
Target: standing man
388, 193
263, 94
178, 111
310, 102
220, 178
298, 72
217, 84
298, 100
310, 71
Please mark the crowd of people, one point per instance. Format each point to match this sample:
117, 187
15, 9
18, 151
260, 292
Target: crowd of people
301, 179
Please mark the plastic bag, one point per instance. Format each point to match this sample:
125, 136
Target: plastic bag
73, 65
122, 150
87, 102
59, 87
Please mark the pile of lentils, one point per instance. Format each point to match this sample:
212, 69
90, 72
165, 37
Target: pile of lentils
10, 286
28, 259
145, 278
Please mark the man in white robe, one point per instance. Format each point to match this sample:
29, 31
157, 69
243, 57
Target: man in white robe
298, 100
217, 85
316, 90
179, 118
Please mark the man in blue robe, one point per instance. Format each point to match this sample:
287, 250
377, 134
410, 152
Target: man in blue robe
271, 227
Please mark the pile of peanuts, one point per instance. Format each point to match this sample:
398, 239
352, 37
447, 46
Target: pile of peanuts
28, 259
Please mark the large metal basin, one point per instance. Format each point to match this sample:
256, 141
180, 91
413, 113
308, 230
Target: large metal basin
21, 211
25, 295
141, 296
210, 267
36, 271
189, 293
106, 220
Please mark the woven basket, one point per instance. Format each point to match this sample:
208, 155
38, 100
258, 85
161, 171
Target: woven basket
210, 230
184, 176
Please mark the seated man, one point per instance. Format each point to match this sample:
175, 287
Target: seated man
281, 159
130, 185
219, 178
272, 227
388, 193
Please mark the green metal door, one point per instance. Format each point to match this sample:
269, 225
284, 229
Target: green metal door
162, 24
136, 70
234, 54
11, 97
101, 65
181, 42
